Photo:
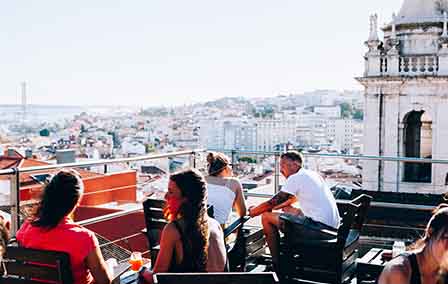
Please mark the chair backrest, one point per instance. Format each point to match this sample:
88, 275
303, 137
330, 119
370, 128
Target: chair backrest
348, 218
361, 214
216, 278
154, 219
32, 266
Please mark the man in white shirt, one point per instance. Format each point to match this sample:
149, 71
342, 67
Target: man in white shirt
316, 203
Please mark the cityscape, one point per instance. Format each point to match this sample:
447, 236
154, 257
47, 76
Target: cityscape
385, 139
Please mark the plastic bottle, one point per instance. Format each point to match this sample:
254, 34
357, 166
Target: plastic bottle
398, 248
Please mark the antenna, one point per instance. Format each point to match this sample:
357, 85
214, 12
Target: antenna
24, 102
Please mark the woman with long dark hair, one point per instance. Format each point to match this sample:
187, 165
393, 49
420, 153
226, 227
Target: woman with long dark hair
422, 263
191, 241
224, 191
53, 229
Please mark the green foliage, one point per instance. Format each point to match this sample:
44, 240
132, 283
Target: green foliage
346, 110
44, 132
358, 114
248, 160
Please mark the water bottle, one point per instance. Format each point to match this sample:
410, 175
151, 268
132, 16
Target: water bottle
398, 248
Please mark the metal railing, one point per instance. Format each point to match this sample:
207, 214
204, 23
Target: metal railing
14, 173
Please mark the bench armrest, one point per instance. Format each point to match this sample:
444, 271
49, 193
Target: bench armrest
235, 226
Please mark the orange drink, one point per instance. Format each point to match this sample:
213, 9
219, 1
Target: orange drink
136, 261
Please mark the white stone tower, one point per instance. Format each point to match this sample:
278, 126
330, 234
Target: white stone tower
406, 96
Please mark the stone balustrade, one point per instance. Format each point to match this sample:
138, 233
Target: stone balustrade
418, 65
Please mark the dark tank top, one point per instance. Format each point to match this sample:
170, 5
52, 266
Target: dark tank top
186, 264
415, 271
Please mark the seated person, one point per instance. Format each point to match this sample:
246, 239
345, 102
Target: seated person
53, 229
224, 191
422, 263
316, 203
191, 242
4, 236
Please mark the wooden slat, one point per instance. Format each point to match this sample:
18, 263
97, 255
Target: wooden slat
155, 203
371, 254
255, 246
216, 278
9, 280
32, 271
156, 224
156, 214
21, 254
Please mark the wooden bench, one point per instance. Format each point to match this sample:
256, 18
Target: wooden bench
32, 266
216, 278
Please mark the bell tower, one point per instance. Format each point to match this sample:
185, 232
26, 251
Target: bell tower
406, 99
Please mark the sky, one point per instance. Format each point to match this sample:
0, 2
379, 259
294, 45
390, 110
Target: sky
172, 52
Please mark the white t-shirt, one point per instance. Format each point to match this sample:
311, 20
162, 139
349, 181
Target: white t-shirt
314, 197
222, 198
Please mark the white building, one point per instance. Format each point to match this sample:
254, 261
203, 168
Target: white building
328, 111
273, 132
344, 133
406, 99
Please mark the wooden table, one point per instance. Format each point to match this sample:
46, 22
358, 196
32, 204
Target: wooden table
370, 266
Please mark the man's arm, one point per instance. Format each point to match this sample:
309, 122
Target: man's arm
279, 200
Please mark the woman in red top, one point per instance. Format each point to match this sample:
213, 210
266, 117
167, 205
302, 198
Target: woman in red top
53, 229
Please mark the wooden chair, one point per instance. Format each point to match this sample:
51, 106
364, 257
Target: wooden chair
249, 244
32, 266
249, 241
329, 261
155, 222
216, 278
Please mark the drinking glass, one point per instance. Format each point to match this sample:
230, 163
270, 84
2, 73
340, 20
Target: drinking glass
136, 260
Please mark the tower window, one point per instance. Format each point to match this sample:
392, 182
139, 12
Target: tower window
417, 144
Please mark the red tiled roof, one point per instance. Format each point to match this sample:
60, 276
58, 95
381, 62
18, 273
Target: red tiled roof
9, 162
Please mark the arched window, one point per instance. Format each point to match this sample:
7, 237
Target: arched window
417, 144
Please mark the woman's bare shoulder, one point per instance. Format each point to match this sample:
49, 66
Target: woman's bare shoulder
170, 231
396, 271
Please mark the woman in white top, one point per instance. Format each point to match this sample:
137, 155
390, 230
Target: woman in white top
224, 191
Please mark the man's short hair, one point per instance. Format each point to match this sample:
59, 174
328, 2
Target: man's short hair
293, 156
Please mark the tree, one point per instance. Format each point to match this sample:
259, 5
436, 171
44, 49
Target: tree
44, 132
358, 114
346, 110
248, 160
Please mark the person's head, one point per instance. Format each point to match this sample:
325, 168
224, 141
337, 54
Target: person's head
60, 197
218, 164
435, 239
187, 199
290, 163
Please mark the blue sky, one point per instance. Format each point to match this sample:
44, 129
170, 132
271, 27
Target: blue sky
170, 52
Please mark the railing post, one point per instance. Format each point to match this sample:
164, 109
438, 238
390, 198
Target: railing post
276, 172
233, 159
15, 201
193, 159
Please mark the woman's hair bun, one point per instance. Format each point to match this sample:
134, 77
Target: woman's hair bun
210, 158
